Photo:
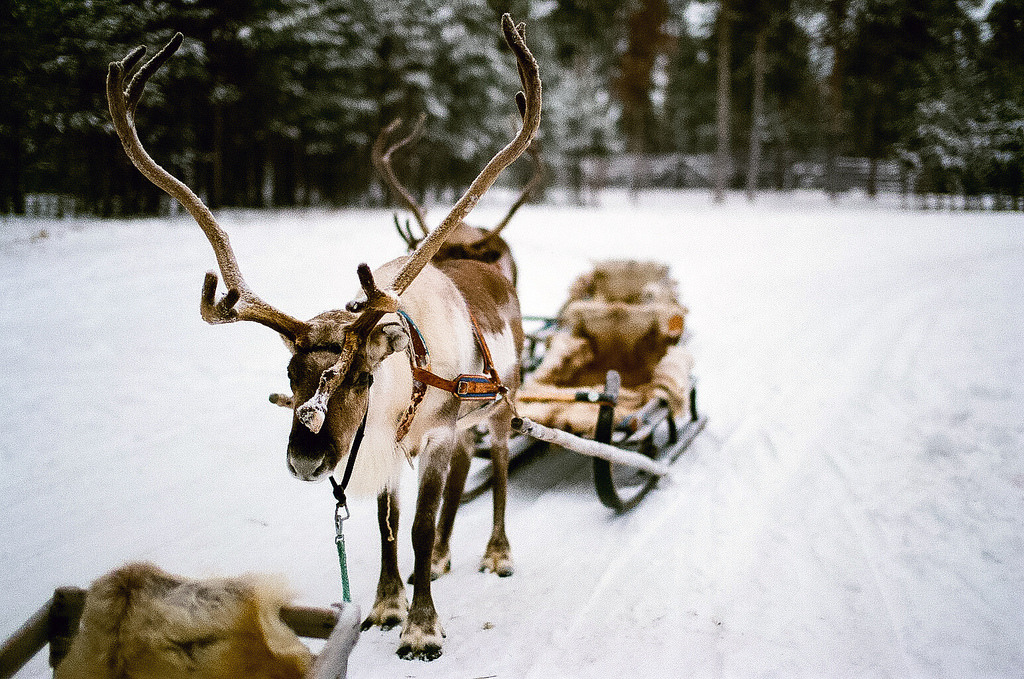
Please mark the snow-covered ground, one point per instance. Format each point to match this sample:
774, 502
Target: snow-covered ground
855, 507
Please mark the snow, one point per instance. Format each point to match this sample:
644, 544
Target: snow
855, 507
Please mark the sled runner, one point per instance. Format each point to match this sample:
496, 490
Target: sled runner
610, 378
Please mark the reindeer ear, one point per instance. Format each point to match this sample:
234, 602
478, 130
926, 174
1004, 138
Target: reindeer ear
386, 339
290, 343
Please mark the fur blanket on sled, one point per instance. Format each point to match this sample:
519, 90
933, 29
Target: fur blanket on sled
140, 622
624, 315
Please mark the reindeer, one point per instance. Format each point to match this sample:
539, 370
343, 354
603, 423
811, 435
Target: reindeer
404, 370
465, 241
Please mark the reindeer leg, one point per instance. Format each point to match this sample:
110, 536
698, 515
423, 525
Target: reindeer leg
498, 556
391, 607
422, 634
441, 558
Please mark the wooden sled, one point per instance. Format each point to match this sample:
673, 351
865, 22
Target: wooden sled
609, 378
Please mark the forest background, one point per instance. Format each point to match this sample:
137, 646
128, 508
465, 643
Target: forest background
277, 102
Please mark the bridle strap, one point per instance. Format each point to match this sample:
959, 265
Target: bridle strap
339, 488
419, 357
341, 509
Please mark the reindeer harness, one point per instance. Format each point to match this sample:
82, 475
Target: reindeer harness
473, 387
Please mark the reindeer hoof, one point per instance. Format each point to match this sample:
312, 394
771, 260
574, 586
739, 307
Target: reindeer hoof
421, 643
387, 614
407, 652
502, 570
497, 560
439, 565
386, 624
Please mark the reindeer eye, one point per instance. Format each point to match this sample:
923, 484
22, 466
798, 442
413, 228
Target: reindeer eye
329, 347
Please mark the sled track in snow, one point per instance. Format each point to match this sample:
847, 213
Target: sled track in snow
750, 465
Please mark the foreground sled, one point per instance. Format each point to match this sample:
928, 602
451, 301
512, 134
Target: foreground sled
610, 378
139, 622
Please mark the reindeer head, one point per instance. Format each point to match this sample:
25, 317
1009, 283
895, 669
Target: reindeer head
329, 408
335, 353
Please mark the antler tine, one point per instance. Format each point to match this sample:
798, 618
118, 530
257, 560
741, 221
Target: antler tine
378, 302
376, 299
414, 134
239, 304
128, 63
405, 232
141, 77
530, 111
520, 96
524, 195
381, 157
521, 29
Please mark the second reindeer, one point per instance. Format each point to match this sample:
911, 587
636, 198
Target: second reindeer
465, 241
423, 354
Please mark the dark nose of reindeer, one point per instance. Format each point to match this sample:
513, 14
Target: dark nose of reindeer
307, 468
310, 456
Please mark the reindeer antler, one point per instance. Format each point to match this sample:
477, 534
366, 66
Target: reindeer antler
524, 195
529, 104
240, 303
382, 163
405, 231
379, 302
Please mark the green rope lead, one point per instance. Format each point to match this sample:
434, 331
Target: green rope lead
339, 540
341, 509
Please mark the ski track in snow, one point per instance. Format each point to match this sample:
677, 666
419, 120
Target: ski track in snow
854, 508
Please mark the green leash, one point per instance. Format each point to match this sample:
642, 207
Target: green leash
341, 510
340, 514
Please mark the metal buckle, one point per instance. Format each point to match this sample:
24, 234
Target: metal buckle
338, 518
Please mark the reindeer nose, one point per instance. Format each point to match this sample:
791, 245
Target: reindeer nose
307, 468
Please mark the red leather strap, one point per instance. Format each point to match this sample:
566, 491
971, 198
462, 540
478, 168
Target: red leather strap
488, 362
465, 387
429, 379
